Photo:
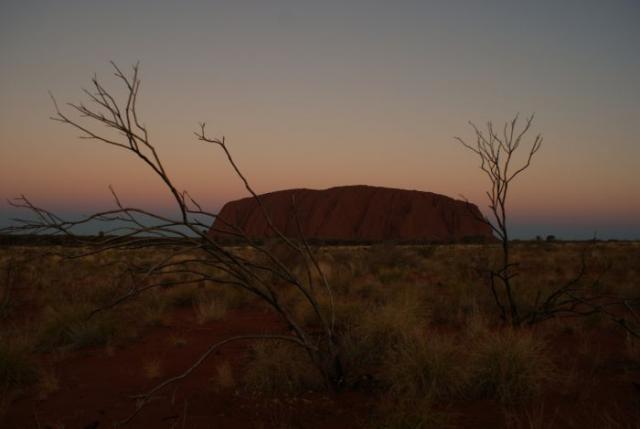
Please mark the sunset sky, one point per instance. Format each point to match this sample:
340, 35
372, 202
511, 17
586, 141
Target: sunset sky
317, 94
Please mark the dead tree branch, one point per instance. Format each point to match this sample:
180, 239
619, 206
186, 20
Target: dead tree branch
143, 399
575, 298
496, 153
197, 254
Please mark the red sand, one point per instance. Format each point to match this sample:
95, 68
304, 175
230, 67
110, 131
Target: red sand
96, 385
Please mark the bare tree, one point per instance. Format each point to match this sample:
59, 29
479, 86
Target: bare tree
195, 254
577, 297
496, 152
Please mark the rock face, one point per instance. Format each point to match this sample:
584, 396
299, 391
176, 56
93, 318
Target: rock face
355, 213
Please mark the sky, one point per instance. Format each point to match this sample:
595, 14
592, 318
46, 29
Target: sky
315, 94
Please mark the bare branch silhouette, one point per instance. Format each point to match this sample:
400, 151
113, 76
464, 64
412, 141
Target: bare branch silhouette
496, 155
196, 253
577, 297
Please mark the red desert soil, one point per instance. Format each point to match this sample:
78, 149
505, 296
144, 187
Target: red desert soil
356, 213
96, 385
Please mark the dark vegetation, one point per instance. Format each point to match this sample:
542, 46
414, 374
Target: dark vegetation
421, 341
83, 240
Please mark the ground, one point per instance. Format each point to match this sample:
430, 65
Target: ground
422, 342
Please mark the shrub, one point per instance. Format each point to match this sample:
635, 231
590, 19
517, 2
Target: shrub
280, 368
152, 369
48, 383
67, 325
153, 308
183, 296
508, 365
391, 256
223, 378
424, 366
209, 308
17, 368
367, 340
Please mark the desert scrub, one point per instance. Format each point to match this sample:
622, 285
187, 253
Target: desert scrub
69, 326
48, 383
233, 297
17, 367
208, 307
368, 289
183, 295
278, 368
424, 366
390, 256
394, 414
223, 379
346, 309
451, 303
152, 307
367, 340
508, 365
152, 369
392, 275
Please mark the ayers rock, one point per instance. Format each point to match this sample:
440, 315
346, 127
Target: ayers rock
355, 213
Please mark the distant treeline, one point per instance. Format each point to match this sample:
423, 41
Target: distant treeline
87, 240
49, 240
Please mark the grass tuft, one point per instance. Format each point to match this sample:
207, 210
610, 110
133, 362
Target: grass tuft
424, 366
509, 365
208, 308
67, 326
17, 368
279, 368
224, 378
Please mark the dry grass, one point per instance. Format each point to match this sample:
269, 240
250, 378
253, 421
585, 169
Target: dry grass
425, 366
177, 341
223, 378
153, 308
152, 369
18, 369
47, 384
67, 326
367, 339
279, 368
417, 324
208, 307
632, 348
509, 365
538, 417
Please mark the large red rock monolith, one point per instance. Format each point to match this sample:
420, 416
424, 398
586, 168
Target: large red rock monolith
355, 213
